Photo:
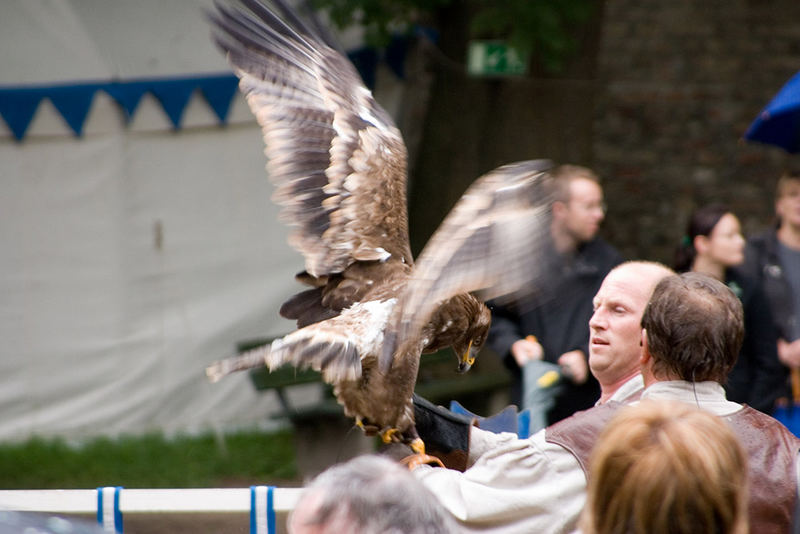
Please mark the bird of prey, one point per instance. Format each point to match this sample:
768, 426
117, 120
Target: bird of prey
338, 163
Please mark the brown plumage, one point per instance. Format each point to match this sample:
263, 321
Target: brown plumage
339, 166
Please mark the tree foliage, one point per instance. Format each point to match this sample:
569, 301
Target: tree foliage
541, 28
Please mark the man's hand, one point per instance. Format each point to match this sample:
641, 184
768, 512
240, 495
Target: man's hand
525, 350
574, 366
789, 353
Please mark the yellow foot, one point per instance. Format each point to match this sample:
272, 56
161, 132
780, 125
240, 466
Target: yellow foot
388, 435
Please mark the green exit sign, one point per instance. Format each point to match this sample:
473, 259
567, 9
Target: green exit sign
494, 58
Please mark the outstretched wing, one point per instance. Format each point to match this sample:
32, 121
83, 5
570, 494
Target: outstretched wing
335, 156
487, 244
335, 347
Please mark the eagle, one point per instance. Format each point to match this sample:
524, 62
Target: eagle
338, 164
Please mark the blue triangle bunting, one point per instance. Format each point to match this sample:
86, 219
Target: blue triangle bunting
174, 95
219, 93
17, 107
127, 95
18, 104
73, 102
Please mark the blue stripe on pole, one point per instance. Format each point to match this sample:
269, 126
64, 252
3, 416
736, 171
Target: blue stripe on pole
253, 526
100, 505
117, 511
271, 510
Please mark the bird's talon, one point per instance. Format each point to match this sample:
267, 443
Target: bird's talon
418, 446
387, 436
413, 461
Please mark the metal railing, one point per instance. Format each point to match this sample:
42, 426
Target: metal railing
111, 502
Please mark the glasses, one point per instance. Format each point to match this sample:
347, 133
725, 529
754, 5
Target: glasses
590, 206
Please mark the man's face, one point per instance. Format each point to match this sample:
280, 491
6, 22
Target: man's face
615, 327
787, 206
584, 211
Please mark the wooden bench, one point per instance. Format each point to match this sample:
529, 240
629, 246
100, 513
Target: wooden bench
437, 381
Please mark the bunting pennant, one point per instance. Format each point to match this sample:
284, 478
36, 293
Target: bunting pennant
219, 94
127, 95
17, 107
73, 103
18, 104
174, 96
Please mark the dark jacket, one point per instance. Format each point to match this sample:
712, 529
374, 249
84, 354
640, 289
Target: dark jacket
763, 264
559, 318
758, 378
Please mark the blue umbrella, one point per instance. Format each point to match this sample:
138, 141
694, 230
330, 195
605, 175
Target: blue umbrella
779, 123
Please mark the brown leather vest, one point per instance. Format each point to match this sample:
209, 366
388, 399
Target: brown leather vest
771, 451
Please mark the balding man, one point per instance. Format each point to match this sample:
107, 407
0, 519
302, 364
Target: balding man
690, 334
538, 484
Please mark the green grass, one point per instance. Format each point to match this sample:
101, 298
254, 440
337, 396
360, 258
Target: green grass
151, 461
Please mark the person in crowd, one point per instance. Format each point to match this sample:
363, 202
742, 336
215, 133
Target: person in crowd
369, 494
773, 258
551, 326
689, 338
714, 245
666, 468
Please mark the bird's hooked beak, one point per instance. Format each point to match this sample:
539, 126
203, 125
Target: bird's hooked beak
466, 359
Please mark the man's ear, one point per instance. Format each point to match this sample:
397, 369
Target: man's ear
558, 209
645, 358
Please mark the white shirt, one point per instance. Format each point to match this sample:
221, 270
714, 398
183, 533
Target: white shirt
516, 485
531, 486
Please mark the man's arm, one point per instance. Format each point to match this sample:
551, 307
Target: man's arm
512, 485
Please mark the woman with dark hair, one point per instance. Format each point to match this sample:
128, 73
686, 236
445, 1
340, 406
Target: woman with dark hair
714, 245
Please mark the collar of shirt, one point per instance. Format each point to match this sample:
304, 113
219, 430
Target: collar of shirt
632, 386
706, 395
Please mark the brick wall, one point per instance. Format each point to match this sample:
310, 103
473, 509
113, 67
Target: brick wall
678, 83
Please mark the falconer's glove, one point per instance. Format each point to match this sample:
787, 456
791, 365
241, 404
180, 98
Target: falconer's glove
446, 434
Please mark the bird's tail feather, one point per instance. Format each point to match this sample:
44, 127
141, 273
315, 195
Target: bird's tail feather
248, 360
333, 355
327, 352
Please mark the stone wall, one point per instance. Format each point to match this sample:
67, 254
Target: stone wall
678, 82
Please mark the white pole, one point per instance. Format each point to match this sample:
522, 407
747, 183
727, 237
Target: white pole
145, 500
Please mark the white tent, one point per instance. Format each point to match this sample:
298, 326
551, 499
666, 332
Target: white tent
137, 253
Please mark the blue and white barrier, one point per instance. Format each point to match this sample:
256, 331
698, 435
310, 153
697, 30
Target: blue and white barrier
111, 503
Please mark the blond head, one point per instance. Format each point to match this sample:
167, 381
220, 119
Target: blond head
666, 468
